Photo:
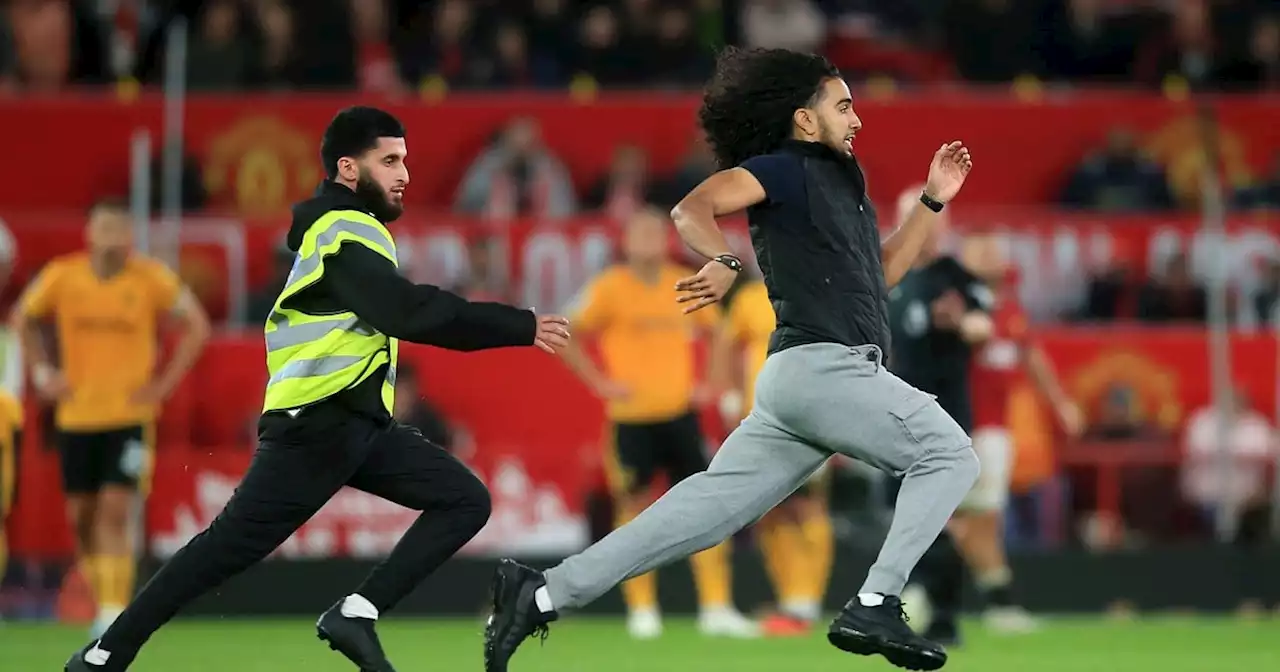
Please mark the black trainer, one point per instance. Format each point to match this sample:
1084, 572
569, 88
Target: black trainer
116, 662
515, 616
883, 630
354, 638
76, 662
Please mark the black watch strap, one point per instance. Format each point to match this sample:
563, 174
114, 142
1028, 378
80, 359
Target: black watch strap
734, 263
931, 203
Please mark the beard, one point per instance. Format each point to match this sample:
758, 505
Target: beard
377, 199
835, 139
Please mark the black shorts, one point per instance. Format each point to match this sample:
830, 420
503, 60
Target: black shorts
640, 450
91, 460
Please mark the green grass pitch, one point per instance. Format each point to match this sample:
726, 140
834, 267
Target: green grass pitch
601, 645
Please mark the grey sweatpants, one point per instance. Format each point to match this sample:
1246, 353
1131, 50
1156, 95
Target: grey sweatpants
812, 401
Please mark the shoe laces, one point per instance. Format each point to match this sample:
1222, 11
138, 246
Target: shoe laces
540, 631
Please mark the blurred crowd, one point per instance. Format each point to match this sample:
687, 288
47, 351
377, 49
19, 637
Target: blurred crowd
406, 45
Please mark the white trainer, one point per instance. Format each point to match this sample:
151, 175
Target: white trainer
727, 622
644, 624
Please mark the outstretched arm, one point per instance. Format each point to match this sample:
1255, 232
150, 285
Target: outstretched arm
369, 285
951, 165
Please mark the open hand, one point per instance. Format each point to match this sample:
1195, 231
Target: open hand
553, 333
951, 165
707, 287
50, 383
611, 390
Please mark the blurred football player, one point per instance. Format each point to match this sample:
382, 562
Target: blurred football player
996, 365
796, 537
107, 305
647, 379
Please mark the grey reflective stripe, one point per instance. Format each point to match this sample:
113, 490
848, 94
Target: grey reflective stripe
370, 234
365, 232
308, 368
391, 375
286, 335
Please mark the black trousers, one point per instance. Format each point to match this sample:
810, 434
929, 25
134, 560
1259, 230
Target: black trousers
299, 465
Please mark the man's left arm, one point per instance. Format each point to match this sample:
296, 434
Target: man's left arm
184, 309
1043, 376
947, 172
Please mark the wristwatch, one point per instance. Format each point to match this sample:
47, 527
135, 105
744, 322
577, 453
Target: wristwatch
734, 263
931, 202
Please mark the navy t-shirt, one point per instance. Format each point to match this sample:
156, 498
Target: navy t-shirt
782, 176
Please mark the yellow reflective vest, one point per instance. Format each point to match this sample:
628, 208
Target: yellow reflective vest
313, 357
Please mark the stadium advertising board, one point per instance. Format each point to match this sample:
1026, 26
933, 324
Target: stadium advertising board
546, 264
258, 154
540, 453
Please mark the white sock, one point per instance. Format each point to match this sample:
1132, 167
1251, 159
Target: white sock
356, 606
995, 578
543, 599
871, 599
108, 614
806, 609
96, 656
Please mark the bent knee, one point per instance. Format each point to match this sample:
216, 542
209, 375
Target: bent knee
475, 503
967, 465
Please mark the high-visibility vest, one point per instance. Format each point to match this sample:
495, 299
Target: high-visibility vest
313, 357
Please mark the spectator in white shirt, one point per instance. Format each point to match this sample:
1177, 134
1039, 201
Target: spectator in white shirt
1250, 448
797, 25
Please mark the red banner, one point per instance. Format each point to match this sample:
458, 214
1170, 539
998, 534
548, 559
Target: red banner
258, 154
535, 436
545, 264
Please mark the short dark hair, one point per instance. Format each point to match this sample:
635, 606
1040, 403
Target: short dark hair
110, 204
355, 131
748, 105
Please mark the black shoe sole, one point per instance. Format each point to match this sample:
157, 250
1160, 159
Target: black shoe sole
899, 655
324, 636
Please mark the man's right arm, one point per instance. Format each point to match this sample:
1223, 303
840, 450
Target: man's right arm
37, 302
369, 285
724, 193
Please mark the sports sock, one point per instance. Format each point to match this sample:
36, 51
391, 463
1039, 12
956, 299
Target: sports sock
117, 574
817, 555
997, 587
712, 576
4, 552
870, 599
543, 599
781, 545
357, 606
94, 569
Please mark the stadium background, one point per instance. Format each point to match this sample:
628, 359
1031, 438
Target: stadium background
1115, 140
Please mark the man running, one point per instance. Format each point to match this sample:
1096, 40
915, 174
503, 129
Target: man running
782, 126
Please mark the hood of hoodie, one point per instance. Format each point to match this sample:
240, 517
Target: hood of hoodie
329, 196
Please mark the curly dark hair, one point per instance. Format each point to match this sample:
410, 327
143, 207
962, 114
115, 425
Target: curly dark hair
748, 104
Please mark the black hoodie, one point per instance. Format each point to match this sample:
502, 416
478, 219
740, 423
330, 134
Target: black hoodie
366, 283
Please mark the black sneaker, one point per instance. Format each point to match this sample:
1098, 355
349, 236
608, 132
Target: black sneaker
515, 616
354, 638
77, 662
883, 630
